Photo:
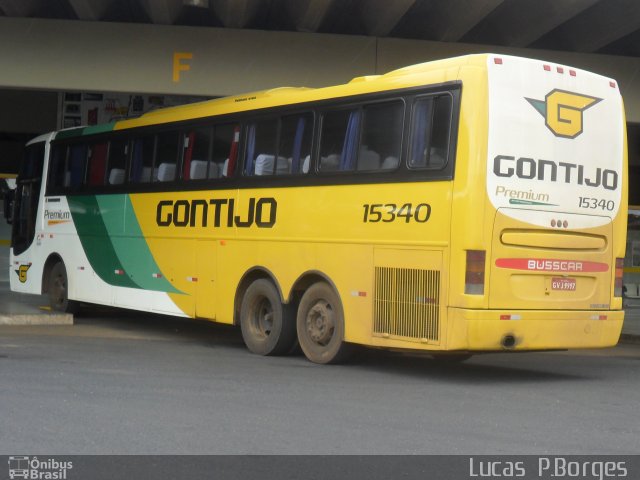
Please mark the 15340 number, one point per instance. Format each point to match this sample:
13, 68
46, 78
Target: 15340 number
391, 212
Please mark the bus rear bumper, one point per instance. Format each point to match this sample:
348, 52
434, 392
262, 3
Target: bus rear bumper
496, 330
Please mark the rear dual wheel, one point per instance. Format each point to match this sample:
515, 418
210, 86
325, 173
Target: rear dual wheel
320, 325
268, 326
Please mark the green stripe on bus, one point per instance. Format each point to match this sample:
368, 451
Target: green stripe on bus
80, 131
105, 127
70, 133
131, 248
96, 241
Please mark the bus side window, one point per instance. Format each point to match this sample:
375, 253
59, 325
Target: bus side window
97, 164
57, 167
226, 138
296, 132
430, 133
260, 158
117, 163
167, 150
339, 140
76, 165
381, 139
142, 168
197, 155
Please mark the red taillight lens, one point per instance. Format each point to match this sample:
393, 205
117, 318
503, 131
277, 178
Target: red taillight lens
474, 275
617, 286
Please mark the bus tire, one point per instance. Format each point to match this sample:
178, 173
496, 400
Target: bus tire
320, 325
268, 327
59, 290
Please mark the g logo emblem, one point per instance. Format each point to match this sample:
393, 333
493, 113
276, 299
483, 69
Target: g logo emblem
562, 111
22, 272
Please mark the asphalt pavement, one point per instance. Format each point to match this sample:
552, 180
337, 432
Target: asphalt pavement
121, 382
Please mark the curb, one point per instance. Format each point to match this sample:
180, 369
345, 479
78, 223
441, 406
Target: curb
36, 319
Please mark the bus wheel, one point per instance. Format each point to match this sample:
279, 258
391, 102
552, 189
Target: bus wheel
58, 290
268, 327
320, 325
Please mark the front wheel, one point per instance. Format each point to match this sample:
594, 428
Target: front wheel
268, 327
59, 290
320, 325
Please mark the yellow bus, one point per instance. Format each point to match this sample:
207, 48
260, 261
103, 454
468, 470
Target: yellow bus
473, 204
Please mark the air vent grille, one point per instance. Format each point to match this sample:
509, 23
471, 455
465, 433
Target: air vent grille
407, 303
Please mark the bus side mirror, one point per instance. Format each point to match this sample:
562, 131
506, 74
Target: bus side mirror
8, 201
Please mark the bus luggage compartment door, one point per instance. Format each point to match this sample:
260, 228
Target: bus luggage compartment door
549, 268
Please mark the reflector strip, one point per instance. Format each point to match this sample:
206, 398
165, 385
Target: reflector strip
156, 275
192, 279
119, 272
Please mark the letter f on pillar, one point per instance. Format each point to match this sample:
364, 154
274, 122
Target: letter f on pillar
179, 66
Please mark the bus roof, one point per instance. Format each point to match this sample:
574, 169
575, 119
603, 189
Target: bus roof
404, 77
433, 72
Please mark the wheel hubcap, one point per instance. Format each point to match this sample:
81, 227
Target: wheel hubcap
321, 323
263, 318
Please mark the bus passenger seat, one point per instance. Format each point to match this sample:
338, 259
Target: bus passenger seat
283, 166
225, 167
330, 162
149, 174
368, 160
214, 170
166, 172
264, 164
305, 164
116, 176
198, 170
390, 163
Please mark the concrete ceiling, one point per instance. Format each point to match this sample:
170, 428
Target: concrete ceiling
588, 26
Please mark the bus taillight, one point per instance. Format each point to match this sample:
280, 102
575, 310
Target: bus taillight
617, 286
474, 275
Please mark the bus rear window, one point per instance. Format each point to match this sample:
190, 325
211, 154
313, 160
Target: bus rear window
430, 133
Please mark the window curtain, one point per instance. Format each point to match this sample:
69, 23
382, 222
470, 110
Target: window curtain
136, 163
77, 161
297, 145
233, 153
421, 133
188, 154
251, 147
350, 147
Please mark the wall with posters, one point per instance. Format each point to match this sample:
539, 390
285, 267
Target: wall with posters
78, 108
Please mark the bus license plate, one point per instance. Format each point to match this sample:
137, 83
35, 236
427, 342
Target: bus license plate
561, 283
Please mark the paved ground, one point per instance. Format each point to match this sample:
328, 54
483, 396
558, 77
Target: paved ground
130, 383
